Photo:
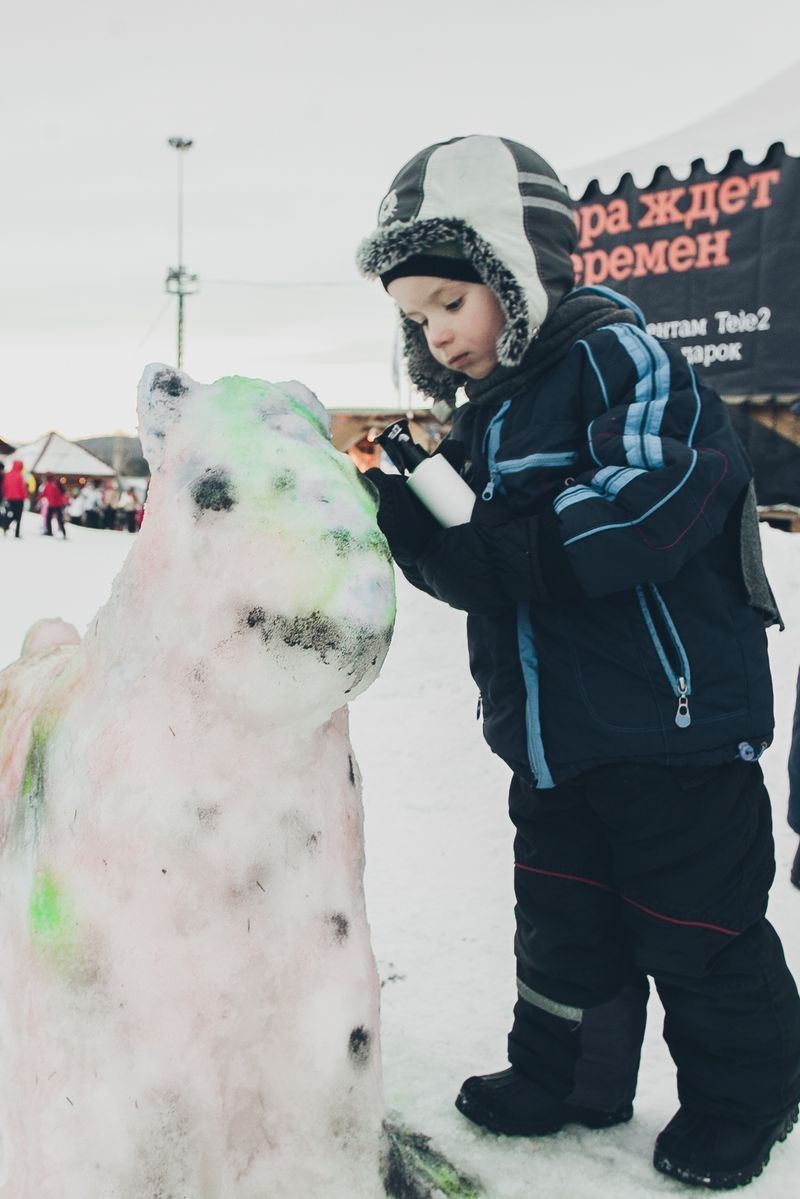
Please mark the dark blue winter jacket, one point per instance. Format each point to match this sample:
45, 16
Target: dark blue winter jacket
611, 570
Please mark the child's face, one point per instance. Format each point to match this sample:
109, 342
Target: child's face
461, 321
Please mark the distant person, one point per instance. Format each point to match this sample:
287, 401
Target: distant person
110, 506
38, 502
15, 492
129, 506
75, 507
92, 504
794, 784
616, 602
55, 498
5, 511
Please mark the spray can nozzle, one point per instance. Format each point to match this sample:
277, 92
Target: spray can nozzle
402, 451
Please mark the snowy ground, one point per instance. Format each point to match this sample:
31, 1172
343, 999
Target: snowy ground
439, 880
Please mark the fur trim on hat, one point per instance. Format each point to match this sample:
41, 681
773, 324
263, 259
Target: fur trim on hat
394, 243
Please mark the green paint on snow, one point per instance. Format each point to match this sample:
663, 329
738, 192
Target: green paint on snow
237, 388
50, 917
31, 804
447, 1179
414, 1165
33, 776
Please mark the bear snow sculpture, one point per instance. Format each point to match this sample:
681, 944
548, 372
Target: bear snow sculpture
188, 1000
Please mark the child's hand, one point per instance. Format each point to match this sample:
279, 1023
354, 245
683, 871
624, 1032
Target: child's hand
405, 523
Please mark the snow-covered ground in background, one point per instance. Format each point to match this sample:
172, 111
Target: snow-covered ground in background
439, 876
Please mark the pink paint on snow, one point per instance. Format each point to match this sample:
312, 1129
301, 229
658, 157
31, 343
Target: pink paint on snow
189, 998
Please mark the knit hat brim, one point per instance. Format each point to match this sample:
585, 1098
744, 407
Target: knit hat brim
432, 266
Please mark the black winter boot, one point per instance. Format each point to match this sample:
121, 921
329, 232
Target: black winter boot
709, 1151
510, 1103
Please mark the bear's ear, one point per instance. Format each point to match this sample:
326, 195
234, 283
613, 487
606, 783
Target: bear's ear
161, 395
308, 398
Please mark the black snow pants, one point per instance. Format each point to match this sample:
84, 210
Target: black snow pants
635, 870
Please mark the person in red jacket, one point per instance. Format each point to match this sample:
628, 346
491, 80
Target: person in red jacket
53, 492
15, 493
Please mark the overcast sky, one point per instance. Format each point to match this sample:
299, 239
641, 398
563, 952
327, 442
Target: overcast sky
301, 113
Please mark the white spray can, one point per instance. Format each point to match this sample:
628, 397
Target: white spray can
431, 477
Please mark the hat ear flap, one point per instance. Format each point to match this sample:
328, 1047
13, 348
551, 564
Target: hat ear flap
423, 370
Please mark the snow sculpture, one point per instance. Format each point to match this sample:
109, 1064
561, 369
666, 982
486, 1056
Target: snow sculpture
188, 999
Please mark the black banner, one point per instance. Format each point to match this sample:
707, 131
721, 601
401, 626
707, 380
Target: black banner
713, 262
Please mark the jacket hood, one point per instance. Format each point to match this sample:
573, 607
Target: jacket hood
511, 218
16, 464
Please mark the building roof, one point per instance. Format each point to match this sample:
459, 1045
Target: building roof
54, 454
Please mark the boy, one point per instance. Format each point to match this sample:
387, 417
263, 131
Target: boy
616, 604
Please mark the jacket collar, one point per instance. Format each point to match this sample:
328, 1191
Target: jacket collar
577, 315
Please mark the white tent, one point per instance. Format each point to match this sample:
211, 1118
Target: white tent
752, 123
53, 454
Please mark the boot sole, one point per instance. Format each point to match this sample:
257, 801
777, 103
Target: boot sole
542, 1128
722, 1180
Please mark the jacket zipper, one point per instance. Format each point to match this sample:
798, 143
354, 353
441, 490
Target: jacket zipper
491, 444
680, 679
498, 469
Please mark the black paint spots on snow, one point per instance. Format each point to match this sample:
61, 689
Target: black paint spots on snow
213, 490
341, 930
255, 617
312, 842
200, 673
285, 481
170, 383
331, 640
315, 632
208, 817
360, 1045
345, 543
342, 540
299, 837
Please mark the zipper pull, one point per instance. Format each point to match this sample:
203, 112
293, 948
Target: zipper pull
488, 490
682, 717
478, 708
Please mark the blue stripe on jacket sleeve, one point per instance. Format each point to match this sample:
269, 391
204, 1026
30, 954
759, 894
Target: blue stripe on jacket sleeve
597, 371
574, 495
623, 524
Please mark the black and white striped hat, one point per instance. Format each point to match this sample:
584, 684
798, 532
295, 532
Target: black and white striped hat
510, 217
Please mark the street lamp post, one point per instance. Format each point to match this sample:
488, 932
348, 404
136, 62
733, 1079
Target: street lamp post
179, 281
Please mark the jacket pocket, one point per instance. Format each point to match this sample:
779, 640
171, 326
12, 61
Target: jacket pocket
616, 682
669, 648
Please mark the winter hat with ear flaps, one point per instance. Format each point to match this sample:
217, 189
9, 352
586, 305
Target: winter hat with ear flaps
503, 210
